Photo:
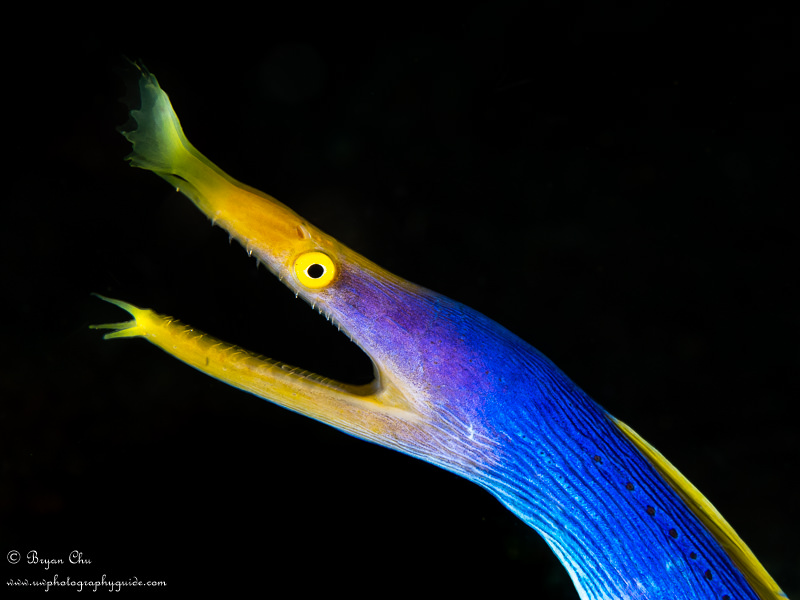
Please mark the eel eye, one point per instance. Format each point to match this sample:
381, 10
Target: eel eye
314, 269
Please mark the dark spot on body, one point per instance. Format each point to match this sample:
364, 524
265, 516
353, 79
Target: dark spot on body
629, 486
597, 459
650, 510
673, 533
708, 575
692, 555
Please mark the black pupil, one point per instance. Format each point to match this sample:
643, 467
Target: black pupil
315, 271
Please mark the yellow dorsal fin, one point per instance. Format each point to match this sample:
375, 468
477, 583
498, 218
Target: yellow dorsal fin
755, 574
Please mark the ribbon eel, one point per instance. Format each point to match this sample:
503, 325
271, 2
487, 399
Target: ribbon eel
455, 389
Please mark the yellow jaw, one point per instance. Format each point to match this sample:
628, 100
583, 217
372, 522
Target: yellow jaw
369, 411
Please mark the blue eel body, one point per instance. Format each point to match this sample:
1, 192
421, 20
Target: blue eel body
556, 458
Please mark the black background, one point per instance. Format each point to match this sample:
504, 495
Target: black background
615, 182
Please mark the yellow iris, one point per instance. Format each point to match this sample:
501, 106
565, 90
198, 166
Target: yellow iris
314, 269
